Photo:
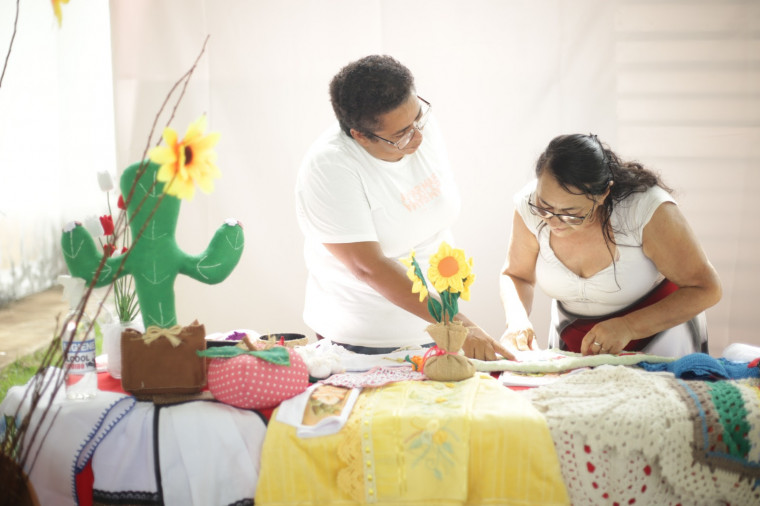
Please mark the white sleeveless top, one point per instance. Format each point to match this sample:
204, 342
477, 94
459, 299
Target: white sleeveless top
615, 287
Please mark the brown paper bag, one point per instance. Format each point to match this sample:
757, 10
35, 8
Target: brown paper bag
448, 366
152, 364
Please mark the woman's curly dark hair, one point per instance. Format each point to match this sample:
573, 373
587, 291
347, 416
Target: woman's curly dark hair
582, 163
367, 88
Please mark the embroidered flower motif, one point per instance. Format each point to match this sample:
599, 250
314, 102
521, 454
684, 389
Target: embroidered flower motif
327, 400
187, 162
433, 444
329, 395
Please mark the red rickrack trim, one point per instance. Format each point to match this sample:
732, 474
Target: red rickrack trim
433, 352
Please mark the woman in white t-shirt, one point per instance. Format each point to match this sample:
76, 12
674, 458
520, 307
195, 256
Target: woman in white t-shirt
604, 238
370, 190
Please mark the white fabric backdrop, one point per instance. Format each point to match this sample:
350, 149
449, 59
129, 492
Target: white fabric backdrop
56, 132
671, 83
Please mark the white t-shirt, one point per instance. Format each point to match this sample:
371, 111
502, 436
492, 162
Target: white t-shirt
615, 287
344, 195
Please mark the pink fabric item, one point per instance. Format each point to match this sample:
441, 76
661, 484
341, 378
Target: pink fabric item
376, 377
248, 382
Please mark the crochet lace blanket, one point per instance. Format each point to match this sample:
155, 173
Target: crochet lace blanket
626, 435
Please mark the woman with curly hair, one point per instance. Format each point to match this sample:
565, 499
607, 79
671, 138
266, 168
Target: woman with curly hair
373, 187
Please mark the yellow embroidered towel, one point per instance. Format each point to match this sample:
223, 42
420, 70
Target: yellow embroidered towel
302, 471
472, 442
512, 456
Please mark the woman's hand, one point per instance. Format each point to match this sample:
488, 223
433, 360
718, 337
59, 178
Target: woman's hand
520, 338
609, 336
481, 346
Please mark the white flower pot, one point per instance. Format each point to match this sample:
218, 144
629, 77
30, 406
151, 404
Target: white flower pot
112, 343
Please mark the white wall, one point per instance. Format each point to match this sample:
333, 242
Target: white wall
671, 83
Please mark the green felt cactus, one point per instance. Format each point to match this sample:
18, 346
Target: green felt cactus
154, 259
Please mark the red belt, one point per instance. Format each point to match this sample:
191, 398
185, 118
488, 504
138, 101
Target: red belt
573, 334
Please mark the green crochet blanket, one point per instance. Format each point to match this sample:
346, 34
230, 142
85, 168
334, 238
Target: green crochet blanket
726, 416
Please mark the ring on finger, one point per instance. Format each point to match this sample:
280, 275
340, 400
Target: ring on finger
598, 344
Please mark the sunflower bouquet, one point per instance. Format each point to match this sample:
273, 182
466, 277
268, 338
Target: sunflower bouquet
451, 277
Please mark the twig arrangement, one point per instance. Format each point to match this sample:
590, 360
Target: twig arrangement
17, 443
10, 46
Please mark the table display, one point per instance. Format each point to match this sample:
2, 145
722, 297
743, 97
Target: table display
607, 433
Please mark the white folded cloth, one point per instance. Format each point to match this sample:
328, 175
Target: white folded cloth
291, 412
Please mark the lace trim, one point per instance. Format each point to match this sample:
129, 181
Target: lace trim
352, 448
125, 497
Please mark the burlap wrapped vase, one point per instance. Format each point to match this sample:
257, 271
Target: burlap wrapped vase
444, 363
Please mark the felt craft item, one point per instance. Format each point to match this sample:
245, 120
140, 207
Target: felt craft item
443, 362
154, 260
163, 361
253, 378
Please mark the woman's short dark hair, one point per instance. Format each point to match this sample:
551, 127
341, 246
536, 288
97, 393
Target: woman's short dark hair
581, 163
367, 88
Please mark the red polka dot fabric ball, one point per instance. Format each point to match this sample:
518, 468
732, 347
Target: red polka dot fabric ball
251, 383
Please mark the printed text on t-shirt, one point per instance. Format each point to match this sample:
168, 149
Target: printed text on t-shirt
417, 197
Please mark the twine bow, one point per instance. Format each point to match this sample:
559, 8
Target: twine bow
435, 351
171, 334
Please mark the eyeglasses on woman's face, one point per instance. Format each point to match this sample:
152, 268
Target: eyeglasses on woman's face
418, 124
570, 219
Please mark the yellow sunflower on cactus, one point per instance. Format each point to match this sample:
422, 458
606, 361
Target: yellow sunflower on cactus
187, 162
451, 276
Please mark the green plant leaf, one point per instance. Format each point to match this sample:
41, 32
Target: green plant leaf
434, 308
276, 355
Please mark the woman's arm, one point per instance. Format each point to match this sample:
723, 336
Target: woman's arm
388, 277
671, 244
516, 285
